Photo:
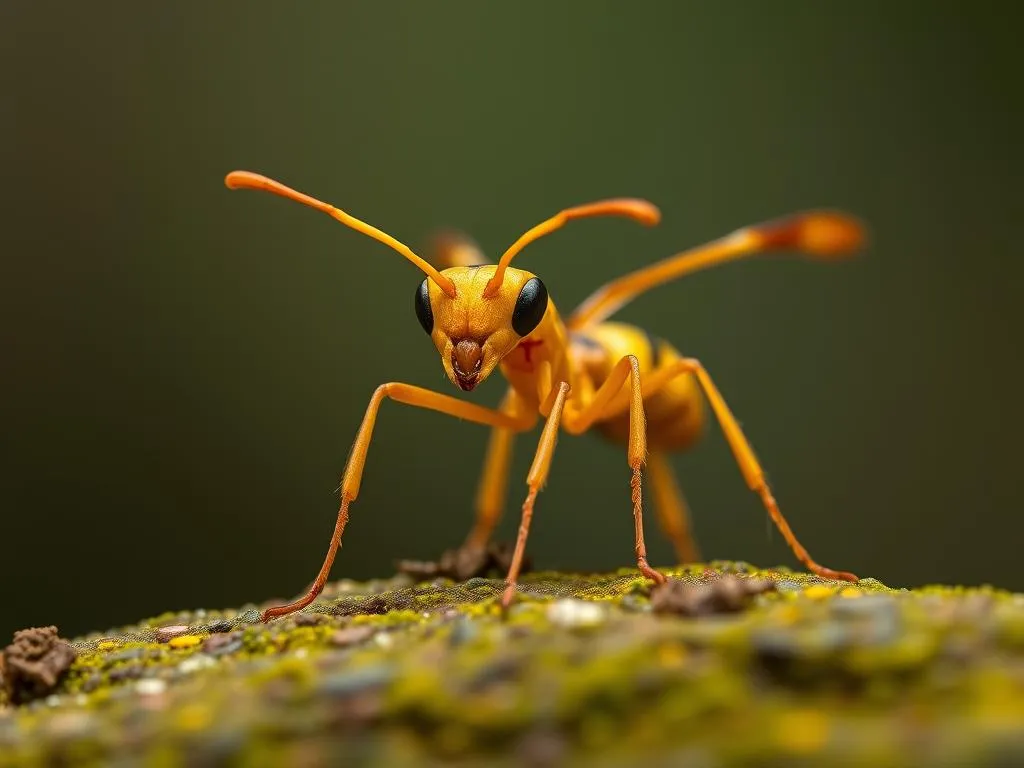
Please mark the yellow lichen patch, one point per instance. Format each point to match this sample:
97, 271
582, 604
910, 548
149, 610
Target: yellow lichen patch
1010, 626
107, 645
194, 717
454, 739
290, 669
909, 652
788, 614
185, 641
849, 592
819, 592
803, 731
598, 730
672, 655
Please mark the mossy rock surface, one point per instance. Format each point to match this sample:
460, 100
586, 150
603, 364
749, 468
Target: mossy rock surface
580, 672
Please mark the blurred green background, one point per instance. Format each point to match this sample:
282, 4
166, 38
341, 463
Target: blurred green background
184, 368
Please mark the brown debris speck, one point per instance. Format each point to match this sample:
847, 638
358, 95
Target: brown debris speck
214, 643
352, 636
166, 634
727, 594
129, 672
542, 748
465, 563
34, 663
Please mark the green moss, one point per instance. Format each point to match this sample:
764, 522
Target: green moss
579, 670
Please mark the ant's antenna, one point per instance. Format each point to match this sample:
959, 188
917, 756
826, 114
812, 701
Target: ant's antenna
248, 180
631, 208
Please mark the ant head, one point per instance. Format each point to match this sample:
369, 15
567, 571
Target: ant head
473, 332
475, 314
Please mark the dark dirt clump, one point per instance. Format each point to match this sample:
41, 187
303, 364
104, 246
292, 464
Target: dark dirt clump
34, 663
726, 594
465, 563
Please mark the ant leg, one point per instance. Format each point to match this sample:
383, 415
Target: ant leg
581, 421
401, 393
535, 481
821, 235
745, 458
490, 495
671, 508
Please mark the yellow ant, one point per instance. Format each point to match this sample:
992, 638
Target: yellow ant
580, 374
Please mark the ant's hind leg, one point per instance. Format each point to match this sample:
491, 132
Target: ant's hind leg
753, 474
671, 508
490, 495
603, 402
747, 461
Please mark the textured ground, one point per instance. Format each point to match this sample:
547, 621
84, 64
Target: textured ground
582, 671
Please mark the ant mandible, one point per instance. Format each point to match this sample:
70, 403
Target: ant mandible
580, 374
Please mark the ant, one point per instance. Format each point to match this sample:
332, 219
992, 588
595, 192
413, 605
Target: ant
579, 374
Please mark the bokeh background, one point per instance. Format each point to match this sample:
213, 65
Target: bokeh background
184, 368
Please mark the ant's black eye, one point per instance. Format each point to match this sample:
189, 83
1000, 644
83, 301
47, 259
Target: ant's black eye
530, 306
423, 311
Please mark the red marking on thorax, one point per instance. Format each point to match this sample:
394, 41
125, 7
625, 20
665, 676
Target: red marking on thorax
527, 345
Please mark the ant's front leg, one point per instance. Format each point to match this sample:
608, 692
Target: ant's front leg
401, 393
535, 481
